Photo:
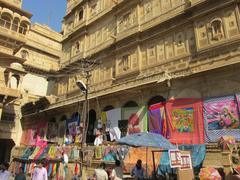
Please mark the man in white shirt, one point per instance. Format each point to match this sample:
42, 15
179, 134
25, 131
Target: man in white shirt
4, 173
101, 174
40, 172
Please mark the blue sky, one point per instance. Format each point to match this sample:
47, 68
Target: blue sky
48, 12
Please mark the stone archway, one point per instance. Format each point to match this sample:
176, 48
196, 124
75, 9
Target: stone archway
155, 100
130, 104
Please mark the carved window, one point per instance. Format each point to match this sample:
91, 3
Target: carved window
80, 15
148, 8
77, 47
24, 54
151, 52
216, 29
124, 64
93, 8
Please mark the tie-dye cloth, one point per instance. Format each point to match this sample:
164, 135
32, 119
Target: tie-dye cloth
137, 120
221, 118
185, 118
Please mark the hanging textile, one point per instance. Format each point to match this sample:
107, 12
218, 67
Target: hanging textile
73, 123
113, 116
61, 132
104, 117
28, 152
41, 134
137, 121
52, 131
185, 118
157, 119
221, 118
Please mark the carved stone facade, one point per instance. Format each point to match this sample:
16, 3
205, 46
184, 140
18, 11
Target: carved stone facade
148, 50
25, 52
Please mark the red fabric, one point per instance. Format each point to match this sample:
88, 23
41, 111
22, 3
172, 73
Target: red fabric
195, 126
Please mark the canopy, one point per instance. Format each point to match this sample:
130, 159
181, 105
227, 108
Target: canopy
146, 139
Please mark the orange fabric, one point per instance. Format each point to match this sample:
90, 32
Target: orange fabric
145, 154
194, 132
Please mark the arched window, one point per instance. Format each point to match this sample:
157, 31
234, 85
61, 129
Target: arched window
24, 54
108, 108
14, 83
15, 24
131, 104
80, 15
23, 28
5, 20
216, 28
155, 100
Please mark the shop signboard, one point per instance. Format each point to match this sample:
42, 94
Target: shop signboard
186, 162
175, 158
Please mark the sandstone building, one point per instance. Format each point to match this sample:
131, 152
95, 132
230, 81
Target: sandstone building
25, 52
144, 52
147, 51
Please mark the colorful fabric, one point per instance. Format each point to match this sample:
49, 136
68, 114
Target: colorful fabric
52, 131
185, 118
52, 152
28, 152
35, 152
44, 153
99, 152
41, 134
104, 117
157, 119
137, 122
72, 124
198, 153
39, 153
61, 132
145, 154
209, 173
221, 118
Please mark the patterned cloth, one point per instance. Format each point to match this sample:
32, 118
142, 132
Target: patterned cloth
185, 118
157, 119
221, 118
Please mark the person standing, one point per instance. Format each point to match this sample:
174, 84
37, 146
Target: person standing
138, 171
4, 173
20, 175
40, 172
100, 173
117, 173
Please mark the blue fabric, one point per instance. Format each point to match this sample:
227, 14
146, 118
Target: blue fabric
198, 153
27, 152
49, 171
111, 156
146, 139
44, 153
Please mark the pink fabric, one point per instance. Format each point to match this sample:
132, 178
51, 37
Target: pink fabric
185, 118
41, 134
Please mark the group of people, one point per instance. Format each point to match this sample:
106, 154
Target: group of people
103, 173
40, 172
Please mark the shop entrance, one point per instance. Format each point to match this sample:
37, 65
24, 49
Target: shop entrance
5, 150
91, 124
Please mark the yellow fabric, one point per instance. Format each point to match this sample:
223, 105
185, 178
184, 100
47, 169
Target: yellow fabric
104, 117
